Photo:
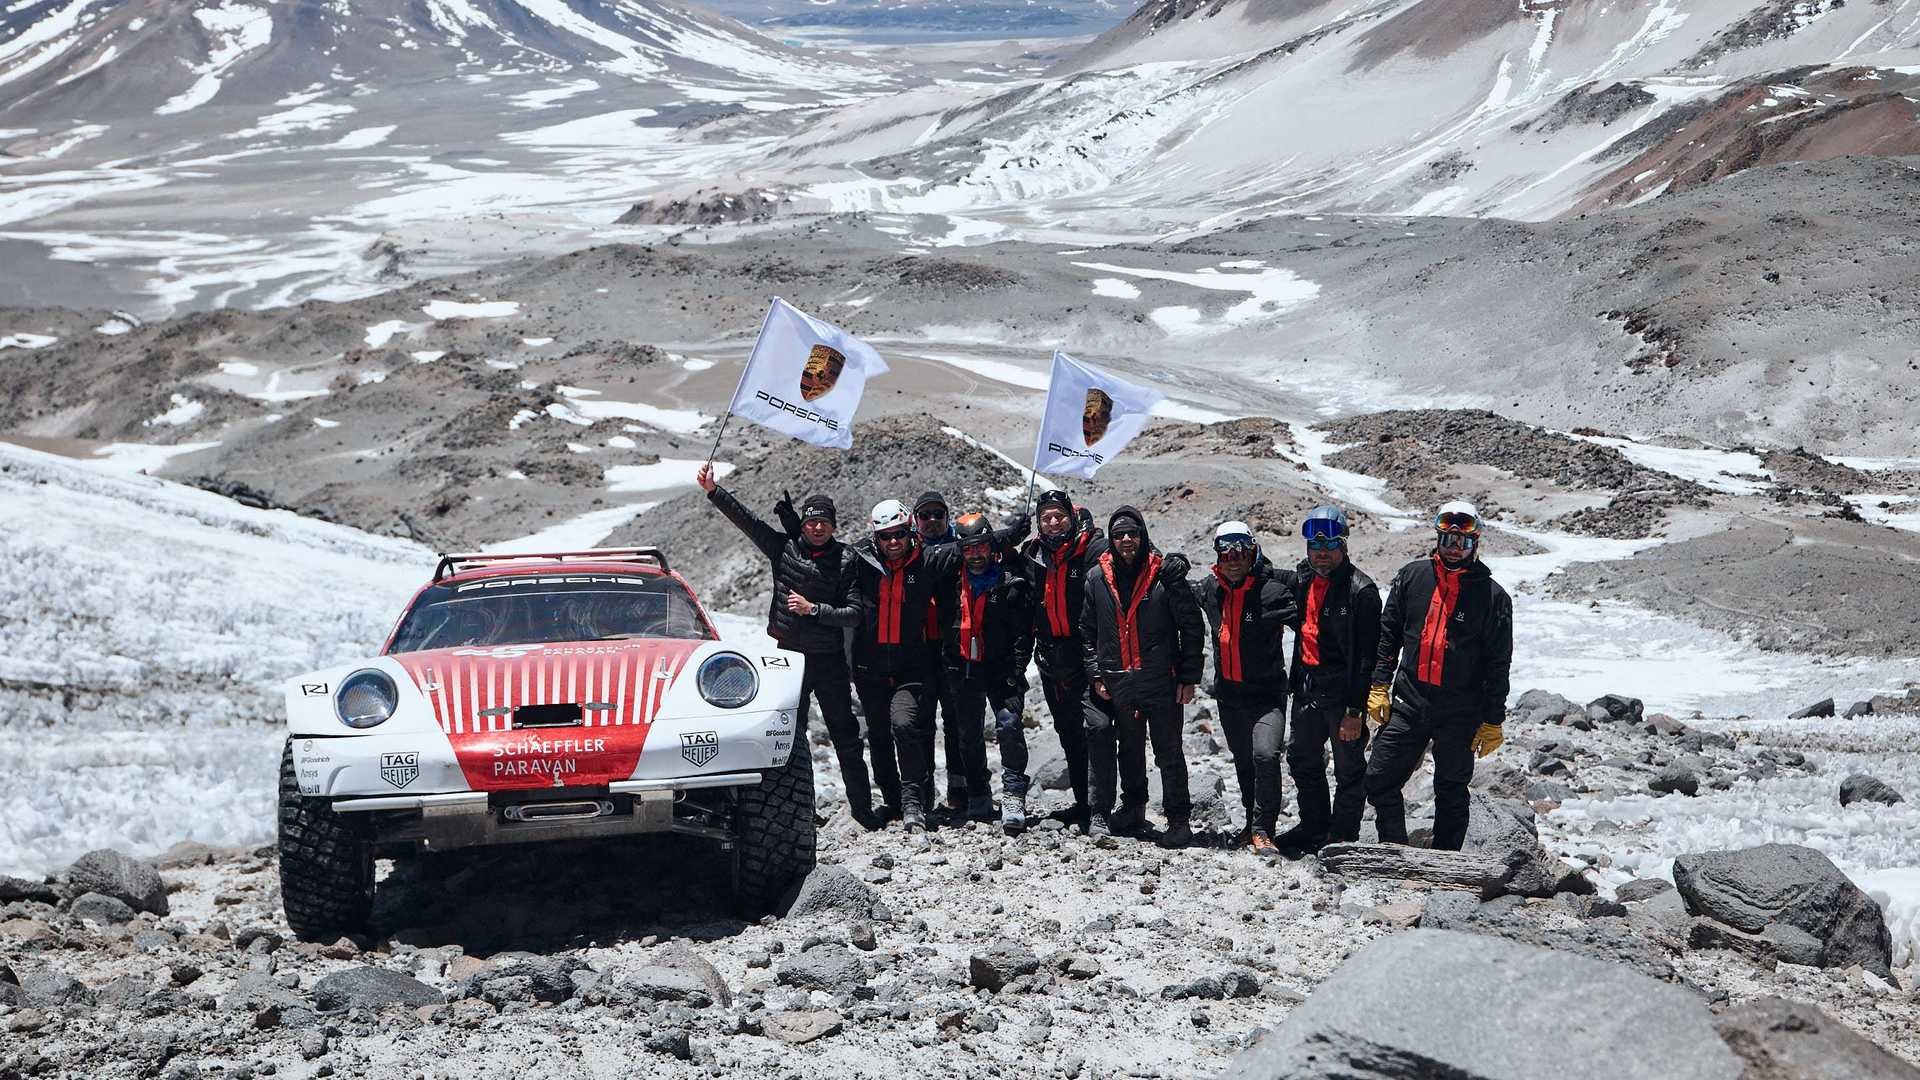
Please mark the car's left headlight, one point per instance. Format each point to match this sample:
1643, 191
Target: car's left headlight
727, 680
366, 699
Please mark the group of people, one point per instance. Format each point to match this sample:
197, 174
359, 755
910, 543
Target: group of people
946, 614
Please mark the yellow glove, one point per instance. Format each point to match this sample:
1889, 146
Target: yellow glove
1380, 704
1487, 740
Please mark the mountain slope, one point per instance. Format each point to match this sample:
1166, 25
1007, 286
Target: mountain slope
91, 59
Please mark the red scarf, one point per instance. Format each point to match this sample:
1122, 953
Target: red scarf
1310, 626
1233, 605
1433, 635
973, 620
893, 597
1059, 619
1127, 613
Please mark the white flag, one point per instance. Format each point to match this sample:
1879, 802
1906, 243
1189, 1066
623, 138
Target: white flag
805, 377
1091, 415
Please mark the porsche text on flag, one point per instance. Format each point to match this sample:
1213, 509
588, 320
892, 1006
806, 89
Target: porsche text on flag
805, 378
1090, 416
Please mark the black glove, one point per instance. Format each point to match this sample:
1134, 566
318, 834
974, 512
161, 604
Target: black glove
789, 517
1174, 567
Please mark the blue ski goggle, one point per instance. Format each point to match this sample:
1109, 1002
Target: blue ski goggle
1326, 543
1323, 534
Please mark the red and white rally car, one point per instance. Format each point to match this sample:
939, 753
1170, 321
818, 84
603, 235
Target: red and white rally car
526, 698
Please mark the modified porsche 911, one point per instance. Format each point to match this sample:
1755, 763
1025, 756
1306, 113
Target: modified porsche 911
524, 698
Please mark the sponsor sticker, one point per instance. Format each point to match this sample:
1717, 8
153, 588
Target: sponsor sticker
699, 747
313, 689
775, 661
400, 768
1068, 451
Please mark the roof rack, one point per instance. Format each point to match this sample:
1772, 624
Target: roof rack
454, 564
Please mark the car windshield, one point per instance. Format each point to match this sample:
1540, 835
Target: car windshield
529, 610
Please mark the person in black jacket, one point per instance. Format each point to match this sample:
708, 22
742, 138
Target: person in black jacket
1058, 559
1249, 605
988, 643
813, 606
1335, 644
1143, 645
1440, 677
966, 750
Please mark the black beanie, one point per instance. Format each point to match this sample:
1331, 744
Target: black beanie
1126, 515
930, 497
819, 506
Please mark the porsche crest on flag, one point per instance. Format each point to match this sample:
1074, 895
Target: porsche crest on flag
805, 377
1090, 416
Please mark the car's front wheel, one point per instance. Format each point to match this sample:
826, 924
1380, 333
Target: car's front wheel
326, 864
774, 835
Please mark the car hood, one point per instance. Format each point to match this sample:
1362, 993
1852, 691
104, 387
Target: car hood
474, 689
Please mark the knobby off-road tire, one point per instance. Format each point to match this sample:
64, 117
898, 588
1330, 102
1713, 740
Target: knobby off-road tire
775, 834
326, 864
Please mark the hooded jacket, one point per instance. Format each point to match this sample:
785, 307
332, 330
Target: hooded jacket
903, 606
1446, 639
1248, 624
1060, 577
1337, 635
1150, 637
823, 575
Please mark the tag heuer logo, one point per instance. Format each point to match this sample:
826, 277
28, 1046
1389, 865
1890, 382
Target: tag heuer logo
400, 769
699, 747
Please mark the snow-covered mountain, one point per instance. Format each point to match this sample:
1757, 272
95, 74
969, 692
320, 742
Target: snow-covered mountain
1196, 112
101, 59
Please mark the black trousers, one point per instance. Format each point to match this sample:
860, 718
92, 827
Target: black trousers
825, 678
1254, 725
1069, 702
896, 721
965, 750
976, 702
1397, 750
1316, 722
1117, 741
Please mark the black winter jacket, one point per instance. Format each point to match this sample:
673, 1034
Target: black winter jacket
890, 639
1060, 577
824, 576
1000, 622
1249, 659
1460, 664
1163, 644
1348, 639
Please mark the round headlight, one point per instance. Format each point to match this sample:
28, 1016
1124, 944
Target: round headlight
728, 680
366, 699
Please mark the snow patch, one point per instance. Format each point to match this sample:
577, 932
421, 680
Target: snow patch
454, 309
661, 475
25, 340
1116, 288
236, 29
184, 411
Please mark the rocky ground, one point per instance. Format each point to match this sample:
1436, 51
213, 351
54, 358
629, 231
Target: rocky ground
959, 952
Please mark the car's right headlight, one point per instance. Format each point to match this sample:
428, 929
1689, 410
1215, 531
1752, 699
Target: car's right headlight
366, 699
727, 680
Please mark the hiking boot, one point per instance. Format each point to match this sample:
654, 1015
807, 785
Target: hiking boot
1128, 820
956, 801
1244, 836
1263, 846
1298, 843
1013, 814
914, 818
980, 808
1100, 831
1177, 834
869, 819
1075, 815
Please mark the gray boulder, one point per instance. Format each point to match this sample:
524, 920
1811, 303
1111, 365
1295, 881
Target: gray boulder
798, 1027
132, 881
253, 991
1791, 1040
105, 910
40, 989
1000, 963
1823, 707
1675, 779
1533, 923
1863, 788
833, 968
657, 983
372, 987
1642, 889
1858, 709
1543, 707
14, 888
1615, 709
1508, 1010
1754, 888
680, 956
833, 888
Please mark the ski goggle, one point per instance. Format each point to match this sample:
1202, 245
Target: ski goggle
1232, 545
1326, 543
1322, 529
1458, 541
1457, 523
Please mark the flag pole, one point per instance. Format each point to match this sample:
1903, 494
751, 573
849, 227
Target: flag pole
1039, 436
744, 368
